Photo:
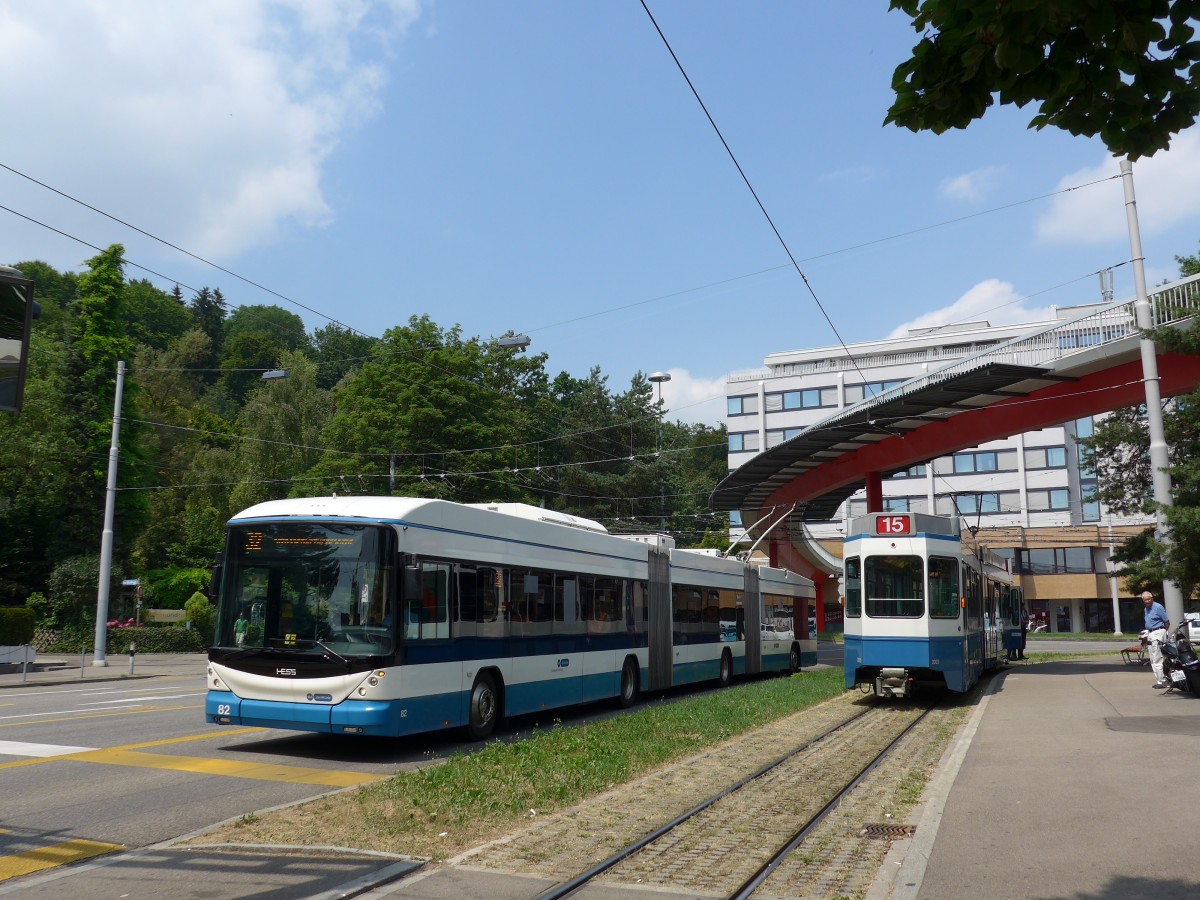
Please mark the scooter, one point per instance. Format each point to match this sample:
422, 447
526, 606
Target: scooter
1181, 666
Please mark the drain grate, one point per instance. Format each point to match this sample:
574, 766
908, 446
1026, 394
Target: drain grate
887, 831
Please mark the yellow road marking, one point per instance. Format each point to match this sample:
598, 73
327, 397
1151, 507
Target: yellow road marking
226, 767
128, 756
48, 857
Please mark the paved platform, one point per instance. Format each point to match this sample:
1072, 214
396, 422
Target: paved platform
1072, 779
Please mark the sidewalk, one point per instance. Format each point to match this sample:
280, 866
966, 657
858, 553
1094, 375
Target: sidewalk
58, 668
1072, 779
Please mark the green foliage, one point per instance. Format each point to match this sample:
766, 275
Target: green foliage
73, 585
203, 616
1123, 70
39, 606
16, 626
149, 639
479, 421
170, 588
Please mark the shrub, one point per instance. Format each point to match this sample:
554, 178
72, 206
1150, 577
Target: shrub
73, 589
203, 616
171, 588
16, 626
149, 639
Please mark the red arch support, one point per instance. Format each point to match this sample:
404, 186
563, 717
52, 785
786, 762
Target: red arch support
1099, 391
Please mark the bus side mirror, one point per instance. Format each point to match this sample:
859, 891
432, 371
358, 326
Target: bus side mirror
18, 309
214, 584
412, 582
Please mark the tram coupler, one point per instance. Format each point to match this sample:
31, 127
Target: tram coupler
893, 683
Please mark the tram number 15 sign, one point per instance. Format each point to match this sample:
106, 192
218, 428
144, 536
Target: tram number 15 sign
890, 525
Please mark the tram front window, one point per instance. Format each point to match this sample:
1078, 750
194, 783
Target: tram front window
304, 585
944, 596
895, 586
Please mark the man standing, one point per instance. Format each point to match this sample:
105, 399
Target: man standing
1155, 633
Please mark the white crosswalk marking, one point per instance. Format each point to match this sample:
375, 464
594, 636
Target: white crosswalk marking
23, 748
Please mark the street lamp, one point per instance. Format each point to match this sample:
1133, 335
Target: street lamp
658, 378
515, 341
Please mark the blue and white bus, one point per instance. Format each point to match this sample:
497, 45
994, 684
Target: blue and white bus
922, 608
394, 615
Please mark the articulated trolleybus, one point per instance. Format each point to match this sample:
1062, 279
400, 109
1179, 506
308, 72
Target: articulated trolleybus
392, 615
922, 609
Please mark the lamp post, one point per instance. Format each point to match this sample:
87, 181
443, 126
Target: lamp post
658, 378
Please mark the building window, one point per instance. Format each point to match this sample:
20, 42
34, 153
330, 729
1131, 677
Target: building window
1046, 458
977, 504
776, 436
1089, 501
1056, 561
895, 504
735, 518
857, 392
985, 461
808, 398
743, 440
911, 472
1044, 501
743, 406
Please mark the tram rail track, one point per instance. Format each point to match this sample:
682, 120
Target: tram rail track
690, 837
655, 834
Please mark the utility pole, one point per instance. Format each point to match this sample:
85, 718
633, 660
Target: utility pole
658, 378
106, 536
1159, 461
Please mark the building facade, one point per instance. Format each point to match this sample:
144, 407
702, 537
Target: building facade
1028, 498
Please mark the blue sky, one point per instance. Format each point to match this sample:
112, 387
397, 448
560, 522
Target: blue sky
543, 167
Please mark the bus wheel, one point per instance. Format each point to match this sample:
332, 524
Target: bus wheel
485, 706
726, 674
630, 678
794, 661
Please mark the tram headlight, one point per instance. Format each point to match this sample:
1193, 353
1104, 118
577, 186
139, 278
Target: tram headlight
362, 692
372, 681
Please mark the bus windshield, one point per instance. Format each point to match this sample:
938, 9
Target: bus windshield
305, 585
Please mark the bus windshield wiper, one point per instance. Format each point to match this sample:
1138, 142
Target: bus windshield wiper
345, 662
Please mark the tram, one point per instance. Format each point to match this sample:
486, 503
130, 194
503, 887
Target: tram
393, 616
923, 609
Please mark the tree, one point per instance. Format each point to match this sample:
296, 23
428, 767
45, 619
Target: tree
451, 413
285, 328
339, 350
1127, 71
153, 317
1188, 265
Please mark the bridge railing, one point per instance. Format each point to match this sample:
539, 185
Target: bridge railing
1170, 303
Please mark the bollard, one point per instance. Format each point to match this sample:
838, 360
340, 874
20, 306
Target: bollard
24, 661
82, 662
132, 654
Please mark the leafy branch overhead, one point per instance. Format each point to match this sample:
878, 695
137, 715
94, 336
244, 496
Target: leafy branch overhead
1126, 71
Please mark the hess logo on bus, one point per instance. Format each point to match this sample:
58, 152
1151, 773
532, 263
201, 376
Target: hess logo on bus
285, 671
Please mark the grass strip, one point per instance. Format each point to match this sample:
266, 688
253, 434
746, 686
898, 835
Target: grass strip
441, 809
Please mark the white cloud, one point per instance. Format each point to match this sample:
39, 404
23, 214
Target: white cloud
693, 400
993, 301
972, 185
205, 123
1166, 186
